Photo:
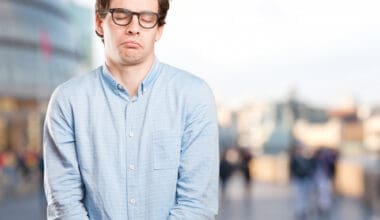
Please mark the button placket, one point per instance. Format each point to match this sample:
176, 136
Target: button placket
132, 167
129, 131
119, 87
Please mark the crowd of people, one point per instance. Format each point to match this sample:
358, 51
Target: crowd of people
17, 170
235, 160
312, 173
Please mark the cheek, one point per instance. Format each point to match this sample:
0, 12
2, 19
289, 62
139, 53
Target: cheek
151, 43
113, 34
113, 39
152, 39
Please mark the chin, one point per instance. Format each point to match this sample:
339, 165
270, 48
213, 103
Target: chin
131, 60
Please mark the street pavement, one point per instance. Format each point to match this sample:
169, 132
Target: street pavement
26, 207
275, 202
262, 202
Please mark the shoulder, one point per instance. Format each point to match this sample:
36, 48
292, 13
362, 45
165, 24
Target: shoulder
77, 85
184, 81
186, 88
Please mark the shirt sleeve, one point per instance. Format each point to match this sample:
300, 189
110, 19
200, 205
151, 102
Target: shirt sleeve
62, 180
197, 185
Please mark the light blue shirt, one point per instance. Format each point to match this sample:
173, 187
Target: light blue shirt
153, 156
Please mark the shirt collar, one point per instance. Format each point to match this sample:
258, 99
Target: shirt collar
151, 77
108, 78
146, 84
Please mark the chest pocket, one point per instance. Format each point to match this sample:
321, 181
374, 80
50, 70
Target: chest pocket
166, 149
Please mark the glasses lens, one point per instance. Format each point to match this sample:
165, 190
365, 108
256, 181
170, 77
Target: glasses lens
148, 19
121, 17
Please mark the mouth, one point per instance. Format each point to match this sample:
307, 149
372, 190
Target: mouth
131, 44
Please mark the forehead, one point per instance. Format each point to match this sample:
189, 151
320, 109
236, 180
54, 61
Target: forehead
135, 5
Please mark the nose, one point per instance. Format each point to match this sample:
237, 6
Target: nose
133, 27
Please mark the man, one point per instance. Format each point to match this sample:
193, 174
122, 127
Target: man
302, 167
135, 138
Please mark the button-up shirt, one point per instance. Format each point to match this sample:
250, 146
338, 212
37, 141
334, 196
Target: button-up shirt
151, 156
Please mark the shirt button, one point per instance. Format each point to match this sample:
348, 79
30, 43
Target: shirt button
132, 201
132, 167
119, 87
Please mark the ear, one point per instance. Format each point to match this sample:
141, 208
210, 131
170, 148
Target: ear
98, 25
160, 29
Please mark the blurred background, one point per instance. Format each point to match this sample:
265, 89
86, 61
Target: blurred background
296, 84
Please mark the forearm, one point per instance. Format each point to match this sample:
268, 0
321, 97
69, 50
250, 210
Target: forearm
72, 211
62, 180
197, 186
63, 185
198, 174
183, 213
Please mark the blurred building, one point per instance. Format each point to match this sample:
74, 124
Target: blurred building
268, 127
254, 127
227, 128
316, 134
42, 44
283, 118
351, 139
265, 127
341, 130
371, 129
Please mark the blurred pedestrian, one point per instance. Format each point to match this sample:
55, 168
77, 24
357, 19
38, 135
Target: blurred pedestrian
21, 163
245, 166
2, 161
2, 177
41, 193
302, 168
325, 160
11, 175
229, 162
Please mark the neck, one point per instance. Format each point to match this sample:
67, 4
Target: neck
130, 76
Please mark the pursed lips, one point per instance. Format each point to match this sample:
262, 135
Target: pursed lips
131, 44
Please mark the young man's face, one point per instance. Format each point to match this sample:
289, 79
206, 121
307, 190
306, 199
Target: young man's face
130, 44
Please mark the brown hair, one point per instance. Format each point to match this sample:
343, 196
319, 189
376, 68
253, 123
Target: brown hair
163, 7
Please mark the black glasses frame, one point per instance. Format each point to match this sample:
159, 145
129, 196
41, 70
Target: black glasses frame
131, 13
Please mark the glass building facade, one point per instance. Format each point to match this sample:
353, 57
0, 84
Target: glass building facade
42, 44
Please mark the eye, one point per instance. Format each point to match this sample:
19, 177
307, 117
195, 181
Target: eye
120, 15
148, 17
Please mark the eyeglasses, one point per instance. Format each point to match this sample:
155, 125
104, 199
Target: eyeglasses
123, 17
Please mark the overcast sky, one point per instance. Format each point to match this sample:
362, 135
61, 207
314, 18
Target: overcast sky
251, 50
